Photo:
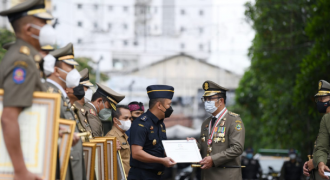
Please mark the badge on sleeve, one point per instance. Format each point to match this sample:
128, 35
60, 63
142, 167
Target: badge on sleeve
238, 127
19, 75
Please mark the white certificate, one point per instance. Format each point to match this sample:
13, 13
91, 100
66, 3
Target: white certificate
182, 151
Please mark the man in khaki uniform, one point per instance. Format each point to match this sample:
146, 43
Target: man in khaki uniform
103, 100
121, 123
320, 160
83, 124
65, 80
20, 75
222, 137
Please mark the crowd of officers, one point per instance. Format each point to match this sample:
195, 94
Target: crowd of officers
32, 64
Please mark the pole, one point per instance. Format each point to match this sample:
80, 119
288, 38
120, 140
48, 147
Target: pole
98, 69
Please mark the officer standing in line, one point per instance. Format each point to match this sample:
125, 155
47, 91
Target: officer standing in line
136, 109
148, 158
20, 73
103, 100
321, 150
252, 167
222, 137
292, 169
66, 76
79, 110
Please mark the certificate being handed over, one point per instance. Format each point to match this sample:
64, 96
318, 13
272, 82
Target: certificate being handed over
182, 151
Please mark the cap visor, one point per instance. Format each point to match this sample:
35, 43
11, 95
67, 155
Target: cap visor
89, 84
44, 15
71, 62
48, 48
211, 93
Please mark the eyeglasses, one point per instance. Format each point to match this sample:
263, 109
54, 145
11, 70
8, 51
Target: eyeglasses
209, 99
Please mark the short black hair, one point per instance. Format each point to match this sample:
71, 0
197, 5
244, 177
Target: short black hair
58, 64
116, 113
97, 95
222, 95
152, 102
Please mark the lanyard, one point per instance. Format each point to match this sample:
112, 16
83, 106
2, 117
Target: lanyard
209, 141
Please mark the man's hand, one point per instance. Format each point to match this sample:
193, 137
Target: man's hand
322, 168
206, 162
118, 145
27, 175
191, 138
75, 139
168, 162
310, 165
305, 169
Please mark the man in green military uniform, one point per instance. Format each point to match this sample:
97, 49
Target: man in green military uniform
83, 124
103, 100
66, 76
20, 75
222, 137
321, 151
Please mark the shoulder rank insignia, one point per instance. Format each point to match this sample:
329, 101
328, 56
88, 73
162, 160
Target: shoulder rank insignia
233, 114
144, 118
92, 112
25, 50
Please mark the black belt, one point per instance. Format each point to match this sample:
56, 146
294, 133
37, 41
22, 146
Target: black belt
153, 171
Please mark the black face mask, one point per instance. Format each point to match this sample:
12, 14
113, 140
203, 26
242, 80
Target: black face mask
168, 111
79, 91
322, 106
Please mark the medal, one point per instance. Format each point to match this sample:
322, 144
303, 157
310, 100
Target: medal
222, 135
209, 150
209, 141
203, 139
223, 140
217, 140
154, 142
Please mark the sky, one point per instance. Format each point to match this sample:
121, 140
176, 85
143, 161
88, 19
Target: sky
233, 36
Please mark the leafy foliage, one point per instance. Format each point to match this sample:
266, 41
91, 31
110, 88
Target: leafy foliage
5, 37
85, 62
271, 101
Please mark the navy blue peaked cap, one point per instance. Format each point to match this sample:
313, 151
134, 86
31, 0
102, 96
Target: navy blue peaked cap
160, 91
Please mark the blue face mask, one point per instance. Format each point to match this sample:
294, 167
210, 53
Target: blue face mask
105, 114
249, 155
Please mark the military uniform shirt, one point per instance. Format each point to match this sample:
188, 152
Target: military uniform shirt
148, 131
20, 75
322, 146
125, 150
94, 120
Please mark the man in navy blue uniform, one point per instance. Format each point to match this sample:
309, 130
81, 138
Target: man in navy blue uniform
148, 159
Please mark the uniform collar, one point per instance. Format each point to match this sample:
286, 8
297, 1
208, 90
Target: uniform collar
218, 115
152, 116
92, 105
58, 86
119, 132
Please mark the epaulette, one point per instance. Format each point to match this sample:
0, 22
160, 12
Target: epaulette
25, 50
144, 118
233, 114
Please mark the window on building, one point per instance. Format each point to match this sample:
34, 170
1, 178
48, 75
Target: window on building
54, 8
96, 6
125, 8
125, 42
80, 24
79, 6
110, 8
79, 41
182, 29
117, 64
182, 45
183, 12
201, 12
201, 30
109, 25
95, 25
136, 43
125, 26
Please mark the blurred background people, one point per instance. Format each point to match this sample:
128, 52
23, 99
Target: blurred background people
252, 170
136, 109
292, 169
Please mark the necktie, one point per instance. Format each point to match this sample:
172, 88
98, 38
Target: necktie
213, 120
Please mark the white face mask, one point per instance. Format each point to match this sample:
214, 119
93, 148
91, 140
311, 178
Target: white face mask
292, 156
88, 95
49, 63
72, 78
47, 35
210, 106
125, 125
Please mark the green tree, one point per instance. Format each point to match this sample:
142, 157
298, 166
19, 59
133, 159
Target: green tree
5, 37
85, 62
265, 94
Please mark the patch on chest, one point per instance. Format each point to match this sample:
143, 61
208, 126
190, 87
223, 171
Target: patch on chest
92, 112
141, 125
